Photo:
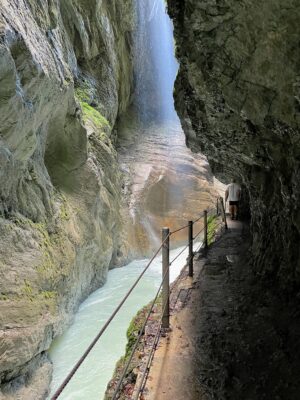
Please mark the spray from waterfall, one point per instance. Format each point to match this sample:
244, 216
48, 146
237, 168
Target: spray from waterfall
166, 186
155, 65
166, 181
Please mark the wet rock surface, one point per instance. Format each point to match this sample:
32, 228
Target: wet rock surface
66, 74
165, 185
237, 93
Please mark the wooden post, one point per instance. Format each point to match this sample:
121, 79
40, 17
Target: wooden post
191, 253
223, 212
166, 277
205, 230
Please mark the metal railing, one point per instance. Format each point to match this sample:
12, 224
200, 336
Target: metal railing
164, 288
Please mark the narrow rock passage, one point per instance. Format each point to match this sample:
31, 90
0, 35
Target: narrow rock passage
178, 370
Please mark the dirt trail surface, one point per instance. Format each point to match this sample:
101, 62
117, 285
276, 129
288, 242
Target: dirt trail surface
175, 371
231, 338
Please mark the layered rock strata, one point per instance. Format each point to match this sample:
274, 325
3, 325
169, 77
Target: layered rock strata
66, 75
237, 94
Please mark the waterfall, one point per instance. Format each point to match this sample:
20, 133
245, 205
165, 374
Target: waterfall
168, 185
155, 63
166, 181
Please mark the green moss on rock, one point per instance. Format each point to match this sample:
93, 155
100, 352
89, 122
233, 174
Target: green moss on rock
133, 331
91, 114
83, 94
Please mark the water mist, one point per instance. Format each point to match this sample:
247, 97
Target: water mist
155, 63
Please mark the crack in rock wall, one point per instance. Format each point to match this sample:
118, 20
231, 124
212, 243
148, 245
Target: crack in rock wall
66, 75
237, 94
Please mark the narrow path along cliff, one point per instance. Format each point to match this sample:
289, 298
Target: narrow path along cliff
182, 356
225, 341
95, 158
75, 76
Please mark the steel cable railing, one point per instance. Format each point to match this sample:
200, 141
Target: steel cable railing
165, 275
198, 219
212, 209
179, 229
96, 339
198, 234
143, 379
150, 357
157, 336
199, 248
179, 254
116, 391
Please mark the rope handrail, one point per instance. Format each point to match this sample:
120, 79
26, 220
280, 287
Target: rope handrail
103, 329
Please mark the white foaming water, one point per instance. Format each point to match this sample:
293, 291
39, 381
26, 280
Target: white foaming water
90, 381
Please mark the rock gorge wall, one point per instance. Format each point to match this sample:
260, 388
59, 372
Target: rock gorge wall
65, 77
237, 94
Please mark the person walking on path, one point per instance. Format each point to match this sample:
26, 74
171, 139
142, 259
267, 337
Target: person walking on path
233, 195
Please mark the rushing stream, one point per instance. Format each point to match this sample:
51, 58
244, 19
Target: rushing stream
167, 185
91, 379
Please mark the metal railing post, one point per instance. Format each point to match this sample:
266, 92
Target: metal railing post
205, 230
223, 212
217, 206
191, 253
166, 277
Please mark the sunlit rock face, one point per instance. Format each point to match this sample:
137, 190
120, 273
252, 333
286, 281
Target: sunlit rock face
237, 94
166, 185
66, 75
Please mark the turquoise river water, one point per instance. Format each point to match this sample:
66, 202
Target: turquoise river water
90, 381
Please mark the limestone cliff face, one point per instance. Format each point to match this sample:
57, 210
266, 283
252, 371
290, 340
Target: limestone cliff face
237, 94
65, 76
